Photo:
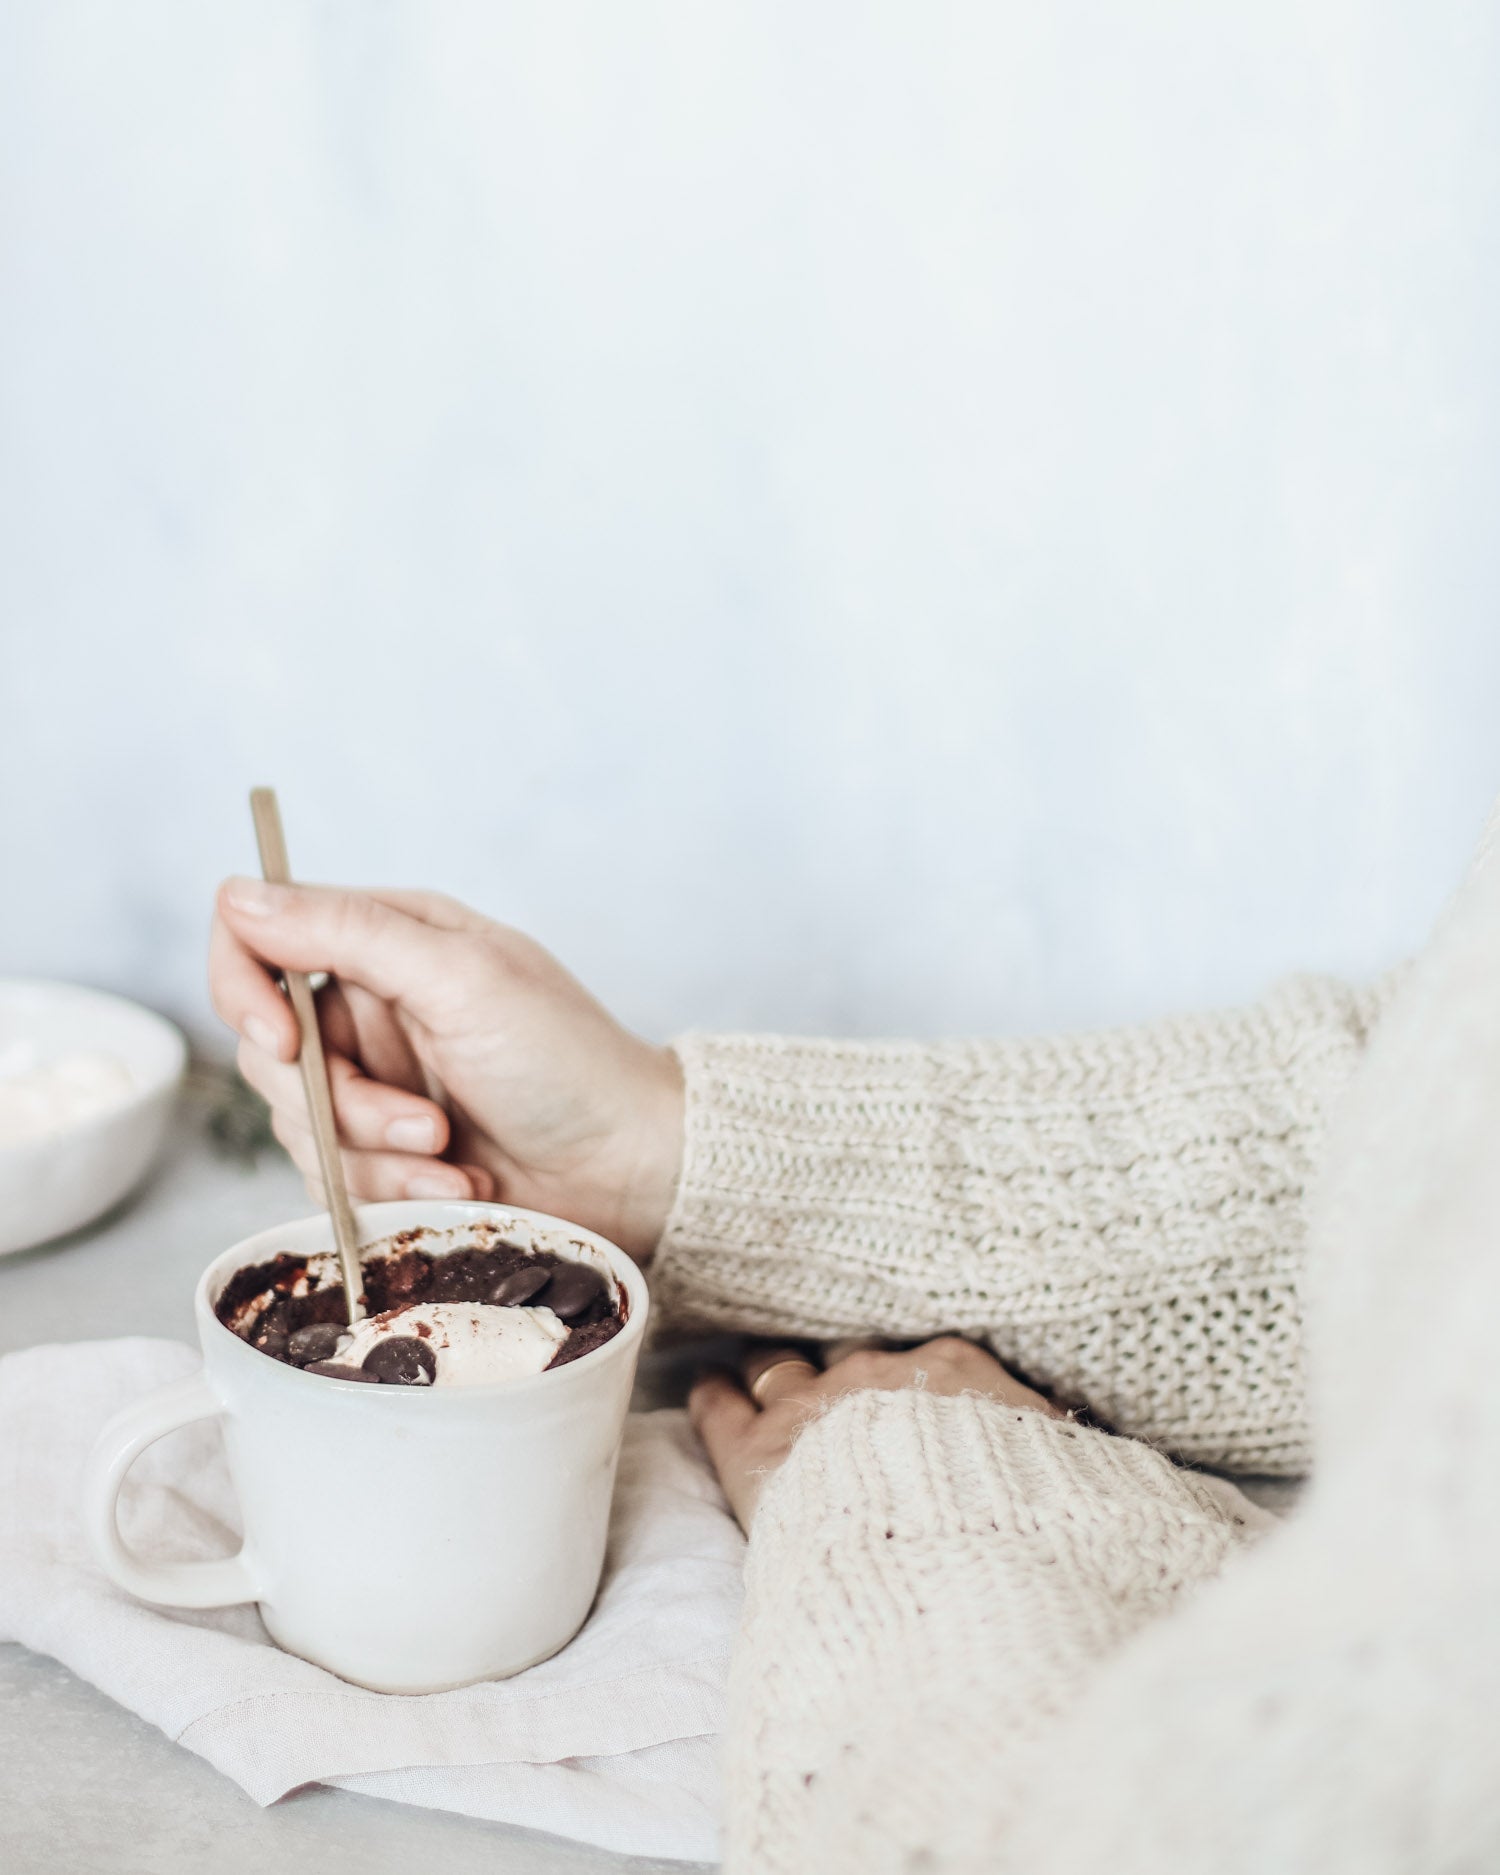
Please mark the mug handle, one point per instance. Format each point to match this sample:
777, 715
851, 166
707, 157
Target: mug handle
214, 1584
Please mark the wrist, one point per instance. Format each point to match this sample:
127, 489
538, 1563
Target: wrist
655, 1158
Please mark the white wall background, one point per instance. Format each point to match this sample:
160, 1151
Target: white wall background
878, 518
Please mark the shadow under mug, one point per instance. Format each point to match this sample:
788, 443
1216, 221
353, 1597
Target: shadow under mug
408, 1539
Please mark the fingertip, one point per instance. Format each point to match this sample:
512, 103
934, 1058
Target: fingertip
423, 1130
242, 897
245, 996
439, 1181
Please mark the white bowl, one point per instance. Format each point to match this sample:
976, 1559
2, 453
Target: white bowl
65, 1179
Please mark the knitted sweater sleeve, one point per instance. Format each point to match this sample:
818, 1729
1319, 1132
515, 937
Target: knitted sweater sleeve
1120, 1214
930, 1581
951, 1658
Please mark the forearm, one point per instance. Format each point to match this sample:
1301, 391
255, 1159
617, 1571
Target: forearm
930, 1581
1119, 1214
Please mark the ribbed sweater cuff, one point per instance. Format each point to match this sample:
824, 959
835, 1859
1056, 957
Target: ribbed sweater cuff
911, 1465
777, 1126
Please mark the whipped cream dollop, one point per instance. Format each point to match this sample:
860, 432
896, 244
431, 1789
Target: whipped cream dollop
38, 1099
472, 1343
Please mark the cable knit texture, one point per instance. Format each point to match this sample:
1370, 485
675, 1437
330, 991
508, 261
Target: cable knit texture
1120, 1215
978, 1641
952, 1566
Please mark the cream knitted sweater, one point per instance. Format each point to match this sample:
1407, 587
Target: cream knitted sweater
953, 1656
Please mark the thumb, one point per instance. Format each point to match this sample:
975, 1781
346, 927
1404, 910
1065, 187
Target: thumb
353, 934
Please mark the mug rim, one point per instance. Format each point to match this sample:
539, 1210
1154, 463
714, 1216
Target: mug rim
626, 1272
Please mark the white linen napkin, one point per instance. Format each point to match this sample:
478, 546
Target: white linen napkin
613, 1741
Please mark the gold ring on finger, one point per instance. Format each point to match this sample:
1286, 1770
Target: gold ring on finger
756, 1383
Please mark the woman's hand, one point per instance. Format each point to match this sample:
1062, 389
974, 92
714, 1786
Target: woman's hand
749, 1429
550, 1103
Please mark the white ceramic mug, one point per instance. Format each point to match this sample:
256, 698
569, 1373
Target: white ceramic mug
407, 1538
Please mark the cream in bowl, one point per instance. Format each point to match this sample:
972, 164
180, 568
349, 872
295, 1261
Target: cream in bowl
39, 1097
87, 1083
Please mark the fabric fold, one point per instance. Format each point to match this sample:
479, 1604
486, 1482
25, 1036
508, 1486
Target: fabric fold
613, 1740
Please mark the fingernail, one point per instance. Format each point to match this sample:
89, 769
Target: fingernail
436, 1185
261, 1034
256, 897
413, 1134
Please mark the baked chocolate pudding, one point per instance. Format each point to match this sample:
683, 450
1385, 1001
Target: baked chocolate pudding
437, 1314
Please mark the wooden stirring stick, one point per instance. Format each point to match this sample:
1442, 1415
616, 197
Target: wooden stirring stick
273, 866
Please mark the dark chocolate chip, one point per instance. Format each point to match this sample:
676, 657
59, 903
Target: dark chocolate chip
339, 1370
269, 1342
403, 1361
317, 1342
573, 1288
520, 1286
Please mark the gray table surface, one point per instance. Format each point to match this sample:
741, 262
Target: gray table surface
87, 1788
